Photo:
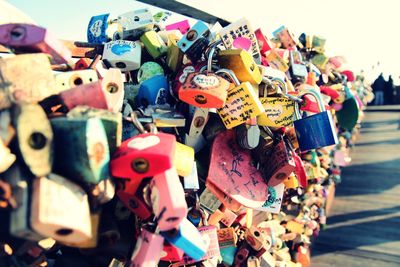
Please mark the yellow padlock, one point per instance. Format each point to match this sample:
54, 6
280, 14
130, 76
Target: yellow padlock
276, 61
291, 182
174, 54
154, 44
295, 227
184, 159
279, 112
241, 63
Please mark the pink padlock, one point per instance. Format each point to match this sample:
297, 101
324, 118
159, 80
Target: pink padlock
148, 250
183, 26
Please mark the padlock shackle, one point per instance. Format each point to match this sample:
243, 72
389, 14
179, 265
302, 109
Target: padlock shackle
210, 54
231, 75
317, 97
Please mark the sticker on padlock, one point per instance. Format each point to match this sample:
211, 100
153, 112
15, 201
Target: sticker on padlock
183, 159
90, 94
56, 203
317, 130
168, 200
81, 149
148, 249
242, 103
189, 239
231, 171
135, 23
241, 28
227, 237
67, 80
113, 89
34, 138
154, 45
97, 29
183, 26
195, 41
181, 76
144, 155
22, 83
112, 122
154, 91
274, 201
121, 54
276, 61
28, 38
148, 70
241, 63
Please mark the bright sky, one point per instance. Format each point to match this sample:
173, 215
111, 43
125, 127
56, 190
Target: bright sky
358, 30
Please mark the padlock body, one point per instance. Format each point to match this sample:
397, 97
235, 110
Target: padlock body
67, 80
124, 55
154, 91
148, 249
96, 30
154, 45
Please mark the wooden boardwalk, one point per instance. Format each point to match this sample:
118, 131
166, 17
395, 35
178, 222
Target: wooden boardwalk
364, 223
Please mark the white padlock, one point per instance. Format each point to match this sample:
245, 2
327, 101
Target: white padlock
121, 54
70, 79
136, 22
113, 87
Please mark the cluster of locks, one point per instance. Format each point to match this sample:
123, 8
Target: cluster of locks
169, 144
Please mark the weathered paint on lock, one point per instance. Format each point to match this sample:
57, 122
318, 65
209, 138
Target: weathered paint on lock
231, 172
28, 38
148, 70
204, 90
187, 238
154, 91
70, 79
81, 149
124, 55
168, 200
35, 137
96, 30
154, 45
20, 83
90, 94
241, 63
148, 249
241, 28
56, 205
279, 112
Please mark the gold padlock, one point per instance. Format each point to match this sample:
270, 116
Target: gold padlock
241, 63
183, 159
291, 182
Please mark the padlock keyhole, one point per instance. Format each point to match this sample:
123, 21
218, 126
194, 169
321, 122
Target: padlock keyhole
112, 88
37, 140
136, 18
191, 35
140, 165
200, 99
78, 81
17, 33
198, 122
120, 65
257, 233
64, 231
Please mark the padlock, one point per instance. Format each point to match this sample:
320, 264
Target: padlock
148, 249
195, 41
194, 137
248, 134
279, 111
19, 82
168, 200
298, 71
241, 29
171, 253
275, 199
291, 181
34, 138
167, 118
121, 54
97, 29
191, 181
113, 89
317, 130
276, 61
154, 45
231, 172
209, 235
257, 238
70, 79
183, 160
228, 217
241, 256
174, 54
183, 26
154, 91
285, 37
51, 217
262, 41
187, 238
135, 23
241, 63
91, 94
148, 70
181, 76
209, 201
320, 60
28, 38
242, 103
81, 149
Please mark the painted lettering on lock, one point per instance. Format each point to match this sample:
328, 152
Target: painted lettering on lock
96, 28
206, 81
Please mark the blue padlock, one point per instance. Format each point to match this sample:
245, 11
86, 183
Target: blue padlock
317, 130
187, 238
195, 41
154, 91
96, 31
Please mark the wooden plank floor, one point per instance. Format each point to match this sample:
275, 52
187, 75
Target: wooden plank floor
364, 224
